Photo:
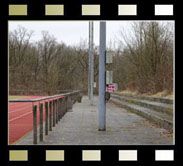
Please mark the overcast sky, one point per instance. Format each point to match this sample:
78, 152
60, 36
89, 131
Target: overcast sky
72, 32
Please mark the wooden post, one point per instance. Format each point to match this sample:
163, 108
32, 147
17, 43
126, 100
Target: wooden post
67, 99
46, 118
41, 121
53, 113
35, 124
50, 116
56, 110
59, 109
65, 103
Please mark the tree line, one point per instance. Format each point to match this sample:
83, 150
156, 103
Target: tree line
142, 62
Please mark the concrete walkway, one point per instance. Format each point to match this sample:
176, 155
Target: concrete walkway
79, 127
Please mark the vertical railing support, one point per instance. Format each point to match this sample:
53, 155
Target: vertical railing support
35, 124
58, 103
46, 118
50, 116
59, 110
56, 113
66, 103
53, 113
61, 107
41, 121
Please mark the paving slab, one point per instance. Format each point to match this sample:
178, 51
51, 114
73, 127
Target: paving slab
80, 127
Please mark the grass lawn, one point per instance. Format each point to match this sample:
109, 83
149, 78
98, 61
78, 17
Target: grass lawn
17, 97
159, 94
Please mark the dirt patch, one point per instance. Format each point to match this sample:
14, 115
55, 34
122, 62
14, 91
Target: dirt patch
163, 132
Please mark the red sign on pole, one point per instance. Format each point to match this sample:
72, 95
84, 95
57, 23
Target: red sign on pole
110, 88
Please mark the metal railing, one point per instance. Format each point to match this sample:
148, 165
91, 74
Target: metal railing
55, 108
37, 92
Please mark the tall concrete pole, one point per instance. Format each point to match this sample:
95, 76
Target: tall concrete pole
92, 62
89, 63
102, 81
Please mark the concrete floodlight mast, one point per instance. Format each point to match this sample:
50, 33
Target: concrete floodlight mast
92, 61
102, 78
89, 59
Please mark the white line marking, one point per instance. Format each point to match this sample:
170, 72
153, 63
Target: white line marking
20, 116
19, 109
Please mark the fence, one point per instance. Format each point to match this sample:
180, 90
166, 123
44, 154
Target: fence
36, 92
55, 108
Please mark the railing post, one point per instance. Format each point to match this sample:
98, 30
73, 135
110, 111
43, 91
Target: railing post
41, 121
56, 113
71, 103
35, 124
50, 116
62, 107
53, 113
66, 103
59, 109
46, 118
76, 97
79, 97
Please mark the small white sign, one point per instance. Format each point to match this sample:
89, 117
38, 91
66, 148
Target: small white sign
109, 56
94, 84
109, 77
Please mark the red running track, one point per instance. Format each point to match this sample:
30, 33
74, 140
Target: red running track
21, 118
